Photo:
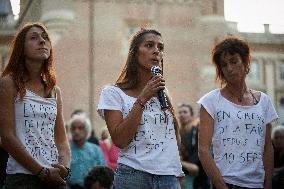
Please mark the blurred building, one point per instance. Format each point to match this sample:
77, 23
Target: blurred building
91, 43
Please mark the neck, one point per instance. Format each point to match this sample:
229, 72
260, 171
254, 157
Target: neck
187, 125
34, 68
143, 78
237, 90
79, 143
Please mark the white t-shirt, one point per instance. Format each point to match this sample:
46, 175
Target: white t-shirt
35, 121
239, 137
153, 149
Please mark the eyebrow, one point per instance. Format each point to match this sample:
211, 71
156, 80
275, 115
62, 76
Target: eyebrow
37, 33
153, 42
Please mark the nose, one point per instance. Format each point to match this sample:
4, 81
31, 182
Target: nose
41, 40
156, 50
229, 67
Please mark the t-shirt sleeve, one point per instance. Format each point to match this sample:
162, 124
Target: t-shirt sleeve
270, 112
207, 101
110, 99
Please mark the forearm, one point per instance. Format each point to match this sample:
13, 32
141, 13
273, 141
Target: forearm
125, 131
13, 146
268, 167
64, 154
190, 167
211, 169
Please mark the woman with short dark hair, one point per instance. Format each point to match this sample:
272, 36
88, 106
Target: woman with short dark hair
237, 121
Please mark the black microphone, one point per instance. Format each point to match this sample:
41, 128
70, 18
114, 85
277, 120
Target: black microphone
155, 70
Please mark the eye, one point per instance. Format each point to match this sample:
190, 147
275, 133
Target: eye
149, 45
161, 47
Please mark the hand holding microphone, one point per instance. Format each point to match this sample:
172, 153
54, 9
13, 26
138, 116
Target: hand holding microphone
155, 70
154, 87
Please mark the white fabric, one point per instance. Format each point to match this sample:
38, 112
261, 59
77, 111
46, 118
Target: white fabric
153, 149
239, 137
35, 120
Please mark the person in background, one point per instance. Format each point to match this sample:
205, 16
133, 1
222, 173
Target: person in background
92, 138
237, 121
109, 149
100, 177
145, 134
195, 175
32, 127
278, 171
85, 155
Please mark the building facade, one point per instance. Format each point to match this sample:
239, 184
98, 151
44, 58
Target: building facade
91, 39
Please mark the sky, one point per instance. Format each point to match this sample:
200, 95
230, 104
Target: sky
250, 14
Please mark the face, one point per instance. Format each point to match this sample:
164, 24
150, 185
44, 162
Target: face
78, 131
150, 51
97, 185
37, 44
232, 67
278, 139
184, 115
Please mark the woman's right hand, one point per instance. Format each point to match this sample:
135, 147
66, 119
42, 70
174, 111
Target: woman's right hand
154, 85
54, 178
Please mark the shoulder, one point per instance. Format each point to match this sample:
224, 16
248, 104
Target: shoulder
112, 92
257, 94
7, 86
91, 145
57, 89
210, 95
111, 89
56, 92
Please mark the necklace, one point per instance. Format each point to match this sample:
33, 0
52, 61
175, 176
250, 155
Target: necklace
240, 98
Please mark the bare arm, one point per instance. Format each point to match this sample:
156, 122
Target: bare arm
123, 130
204, 141
7, 127
190, 167
268, 158
61, 141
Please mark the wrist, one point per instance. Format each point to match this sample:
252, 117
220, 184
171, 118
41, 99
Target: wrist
43, 173
140, 103
68, 173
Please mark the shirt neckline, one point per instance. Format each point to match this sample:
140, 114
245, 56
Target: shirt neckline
46, 98
240, 106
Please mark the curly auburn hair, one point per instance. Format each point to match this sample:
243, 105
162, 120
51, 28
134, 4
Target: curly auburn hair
232, 45
16, 66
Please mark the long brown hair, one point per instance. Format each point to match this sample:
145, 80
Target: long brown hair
16, 66
128, 78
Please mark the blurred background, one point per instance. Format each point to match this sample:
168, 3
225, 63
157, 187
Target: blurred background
91, 40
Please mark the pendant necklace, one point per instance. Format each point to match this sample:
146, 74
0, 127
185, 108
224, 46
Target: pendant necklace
240, 98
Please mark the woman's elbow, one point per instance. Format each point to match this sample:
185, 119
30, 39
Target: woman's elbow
119, 143
7, 141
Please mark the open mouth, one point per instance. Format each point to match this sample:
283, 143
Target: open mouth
155, 61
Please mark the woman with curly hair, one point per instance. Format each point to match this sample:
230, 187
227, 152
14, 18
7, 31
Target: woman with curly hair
237, 121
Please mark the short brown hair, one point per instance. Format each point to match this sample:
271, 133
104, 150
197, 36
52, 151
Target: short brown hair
231, 45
